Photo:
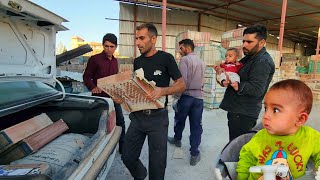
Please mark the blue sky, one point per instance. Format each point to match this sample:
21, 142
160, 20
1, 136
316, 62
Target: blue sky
86, 18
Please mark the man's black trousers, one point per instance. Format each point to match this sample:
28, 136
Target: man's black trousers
239, 124
153, 124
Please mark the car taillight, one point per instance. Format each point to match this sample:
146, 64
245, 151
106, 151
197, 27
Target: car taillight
111, 121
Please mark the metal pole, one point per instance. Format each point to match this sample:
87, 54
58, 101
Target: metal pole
134, 30
317, 55
227, 16
164, 24
283, 20
199, 22
160, 22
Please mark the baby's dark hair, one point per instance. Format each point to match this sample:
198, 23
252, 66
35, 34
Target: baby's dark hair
236, 50
301, 91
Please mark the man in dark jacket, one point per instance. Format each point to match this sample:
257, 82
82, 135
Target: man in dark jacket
243, 101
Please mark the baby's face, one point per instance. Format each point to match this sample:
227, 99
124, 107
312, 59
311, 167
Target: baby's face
282, 112
231, 56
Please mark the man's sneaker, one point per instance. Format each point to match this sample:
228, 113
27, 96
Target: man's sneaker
194, 160
172, 140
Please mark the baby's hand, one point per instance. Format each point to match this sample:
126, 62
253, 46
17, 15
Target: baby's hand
235, 86
238, 63
225, 83
219, 70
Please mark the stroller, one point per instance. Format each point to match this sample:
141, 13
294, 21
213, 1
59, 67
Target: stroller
229, 157
227, 162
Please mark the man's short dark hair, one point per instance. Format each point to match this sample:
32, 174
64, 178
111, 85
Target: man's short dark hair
110, 37
187, 42
259, 29
151, 29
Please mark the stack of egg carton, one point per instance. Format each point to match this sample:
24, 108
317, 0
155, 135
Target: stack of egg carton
198, 38
312, 63
211, 53
209, 87
316, 91
213, 92
233, 38
315, 87
219, 94
275, 55
288, 66
276, 77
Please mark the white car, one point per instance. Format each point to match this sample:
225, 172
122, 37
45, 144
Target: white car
27, 77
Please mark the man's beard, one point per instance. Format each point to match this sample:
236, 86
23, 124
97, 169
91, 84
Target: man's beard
252, 52
146, 51
183, 54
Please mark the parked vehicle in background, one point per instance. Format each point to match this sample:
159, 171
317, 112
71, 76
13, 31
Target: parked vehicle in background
27, 80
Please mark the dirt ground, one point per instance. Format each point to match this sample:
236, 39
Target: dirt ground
214, 138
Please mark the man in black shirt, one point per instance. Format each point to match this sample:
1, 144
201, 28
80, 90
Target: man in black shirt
159, 67
244, 100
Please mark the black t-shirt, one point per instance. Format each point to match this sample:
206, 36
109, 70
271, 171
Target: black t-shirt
158, 68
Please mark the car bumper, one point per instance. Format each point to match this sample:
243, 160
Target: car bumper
97, 164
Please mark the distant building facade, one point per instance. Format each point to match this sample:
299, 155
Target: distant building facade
96, 47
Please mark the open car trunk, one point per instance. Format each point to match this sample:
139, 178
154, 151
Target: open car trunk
28, 66
88, 119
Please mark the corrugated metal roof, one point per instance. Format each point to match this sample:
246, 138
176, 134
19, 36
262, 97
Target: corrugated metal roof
302, 17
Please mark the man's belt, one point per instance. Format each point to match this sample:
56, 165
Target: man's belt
151, 111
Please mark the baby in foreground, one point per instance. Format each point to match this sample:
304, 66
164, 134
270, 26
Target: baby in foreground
285, 140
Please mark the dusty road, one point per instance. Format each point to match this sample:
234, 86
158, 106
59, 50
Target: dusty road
214, 138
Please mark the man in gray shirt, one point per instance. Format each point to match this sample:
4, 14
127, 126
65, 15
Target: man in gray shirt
190, 102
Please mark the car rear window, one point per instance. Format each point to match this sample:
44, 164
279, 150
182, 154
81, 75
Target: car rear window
17, 93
